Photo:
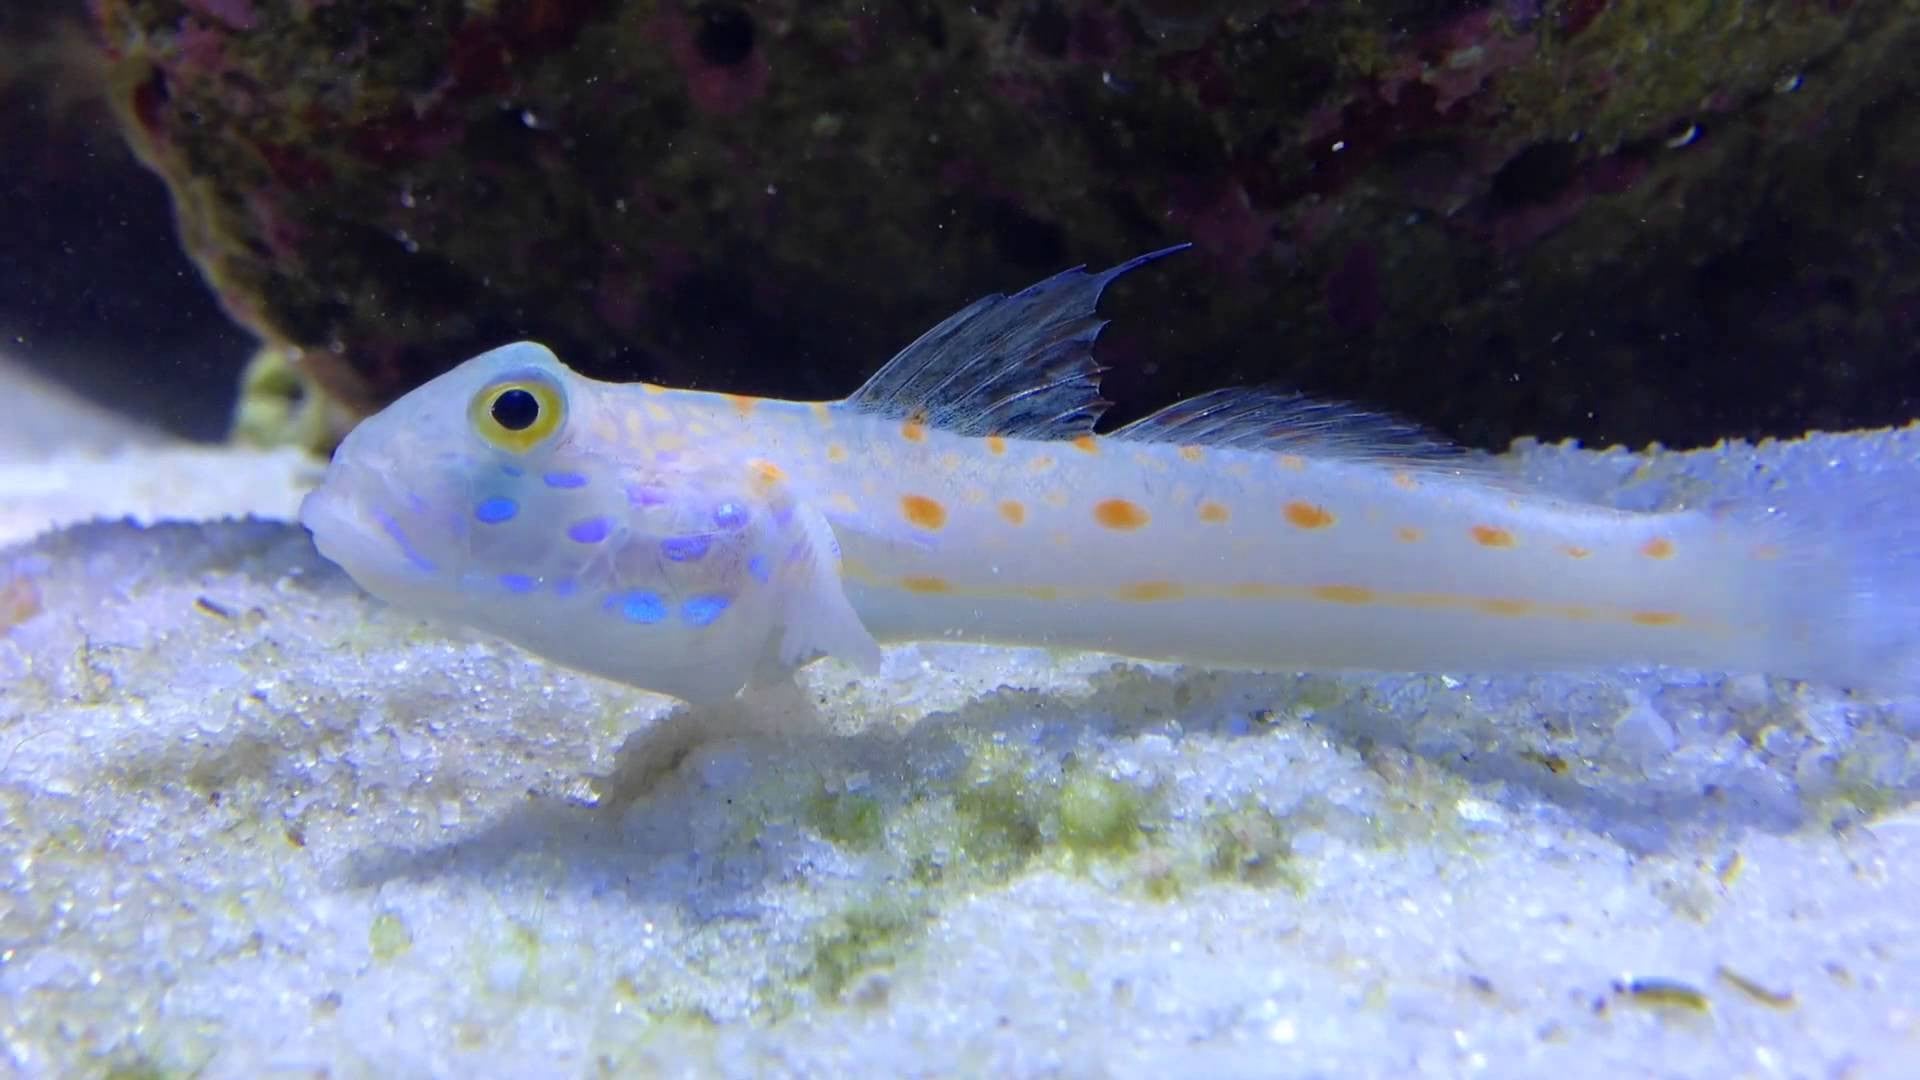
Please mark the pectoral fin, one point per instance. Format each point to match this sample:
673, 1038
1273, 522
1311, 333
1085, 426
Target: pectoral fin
818, 620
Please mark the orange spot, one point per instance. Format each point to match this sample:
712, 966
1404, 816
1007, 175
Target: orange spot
922, 511
1408, 534
1149, 591
1657, 548
1573, 552
1014, 512
836, 453
1293, 462
766, 472
1212, 512
1404, 481
918, 584
1504, 607
1343, 594
1086, 444
996, 445
1119, 514
1656, 618
821, 411
1308, 516
1039, 592
743, 404
20, 601
914, 431
1041, 463
1488, 536
1192, 453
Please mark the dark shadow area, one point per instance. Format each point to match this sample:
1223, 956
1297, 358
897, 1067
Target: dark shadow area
95, 291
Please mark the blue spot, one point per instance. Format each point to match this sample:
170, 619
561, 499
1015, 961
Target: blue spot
511, 470
730, 515
517, 583
565, 480
644, 495
759, 568
685, 548
565, 586
399, 538
702, 610
496, 510
589, 531
638, 606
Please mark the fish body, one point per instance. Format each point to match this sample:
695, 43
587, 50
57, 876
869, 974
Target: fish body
691, 543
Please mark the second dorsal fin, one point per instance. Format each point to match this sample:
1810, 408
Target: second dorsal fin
1019, 365
1261, 418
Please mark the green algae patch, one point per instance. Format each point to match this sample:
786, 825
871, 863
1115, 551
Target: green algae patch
998, 809
1098, 815
1010, 808
998, 824
846, 820
388, 937
1007, 811
867, 937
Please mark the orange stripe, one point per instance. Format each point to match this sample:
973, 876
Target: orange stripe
1343, 594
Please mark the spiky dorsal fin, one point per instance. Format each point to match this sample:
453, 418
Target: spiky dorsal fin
1019, 365
1262, 418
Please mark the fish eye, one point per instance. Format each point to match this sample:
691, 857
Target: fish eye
517, 414
515, 409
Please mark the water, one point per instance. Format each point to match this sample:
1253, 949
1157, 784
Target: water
251, 820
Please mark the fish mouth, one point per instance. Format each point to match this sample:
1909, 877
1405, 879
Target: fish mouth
357, 535
334, 521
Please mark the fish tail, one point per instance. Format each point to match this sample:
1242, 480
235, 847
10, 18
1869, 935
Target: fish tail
1847, 595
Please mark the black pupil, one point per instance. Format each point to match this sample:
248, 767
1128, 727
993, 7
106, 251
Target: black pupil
515, 410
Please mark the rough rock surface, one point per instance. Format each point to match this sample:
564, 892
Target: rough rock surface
1620, 220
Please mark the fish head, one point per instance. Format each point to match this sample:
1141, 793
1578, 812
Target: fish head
515, 496
459, 479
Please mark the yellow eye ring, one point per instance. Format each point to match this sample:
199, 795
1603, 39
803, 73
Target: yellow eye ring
517, 414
